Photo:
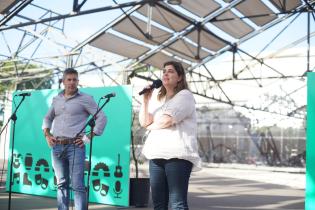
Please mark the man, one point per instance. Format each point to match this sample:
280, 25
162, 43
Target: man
64, 120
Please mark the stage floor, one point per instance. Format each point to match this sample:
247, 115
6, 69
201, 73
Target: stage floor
213, 188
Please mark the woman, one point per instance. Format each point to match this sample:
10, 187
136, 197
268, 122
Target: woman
171, 146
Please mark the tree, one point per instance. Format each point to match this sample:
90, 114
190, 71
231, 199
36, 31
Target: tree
16, 76
21, 76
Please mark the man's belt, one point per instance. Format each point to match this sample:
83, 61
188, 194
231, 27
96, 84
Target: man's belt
64, 140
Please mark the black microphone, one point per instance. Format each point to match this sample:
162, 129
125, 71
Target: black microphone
23, 94
156, 84
117, 189
109, 95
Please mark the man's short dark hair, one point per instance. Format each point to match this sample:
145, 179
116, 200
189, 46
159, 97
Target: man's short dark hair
69, 71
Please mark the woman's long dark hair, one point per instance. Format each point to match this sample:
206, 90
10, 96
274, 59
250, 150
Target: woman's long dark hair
181, 85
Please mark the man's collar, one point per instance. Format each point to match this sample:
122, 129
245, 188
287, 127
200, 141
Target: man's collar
61, 93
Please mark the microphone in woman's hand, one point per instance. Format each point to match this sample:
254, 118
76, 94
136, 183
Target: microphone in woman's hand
156, 84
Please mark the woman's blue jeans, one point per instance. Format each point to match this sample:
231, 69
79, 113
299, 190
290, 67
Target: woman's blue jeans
68, 163
169, 182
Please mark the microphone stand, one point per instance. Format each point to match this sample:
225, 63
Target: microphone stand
13, 118
91, 123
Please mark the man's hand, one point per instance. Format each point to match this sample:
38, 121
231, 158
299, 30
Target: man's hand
82, 140
79, 142
50, 140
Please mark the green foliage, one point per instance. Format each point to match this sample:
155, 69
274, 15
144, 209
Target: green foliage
10, 69
33, 84
6, 85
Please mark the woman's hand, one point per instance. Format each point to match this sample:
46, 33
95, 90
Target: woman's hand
145, 118
164, 121
148, 94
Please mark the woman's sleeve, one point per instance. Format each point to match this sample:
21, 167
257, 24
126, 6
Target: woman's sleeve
181, 106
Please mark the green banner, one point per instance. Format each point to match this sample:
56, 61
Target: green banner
32, 169
310, 143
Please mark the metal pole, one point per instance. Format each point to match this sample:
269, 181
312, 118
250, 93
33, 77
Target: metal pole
308, 40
